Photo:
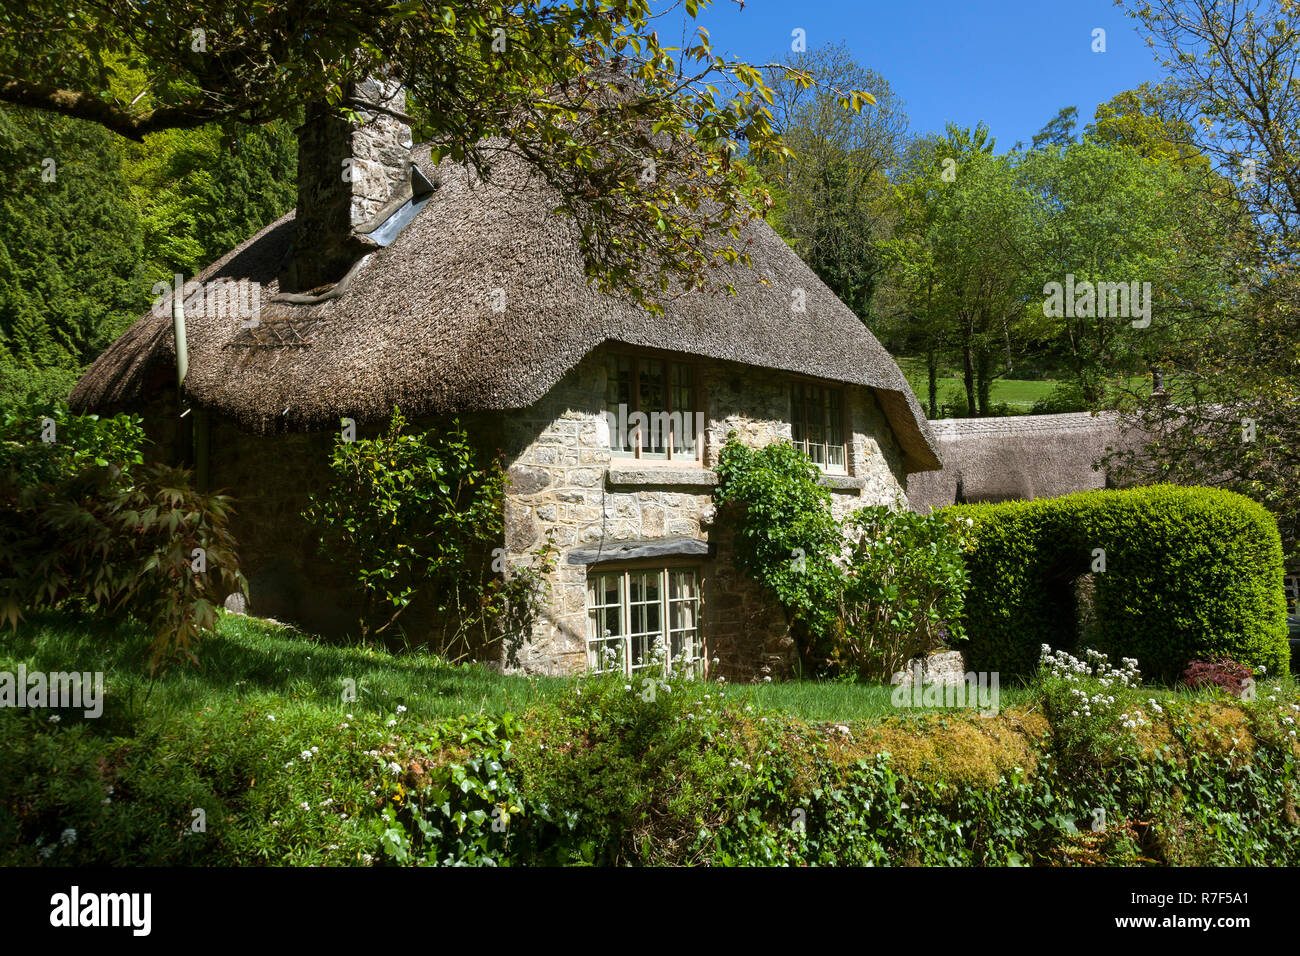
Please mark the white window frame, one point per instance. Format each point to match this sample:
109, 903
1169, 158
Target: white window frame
831, 418
670, 613
675, 452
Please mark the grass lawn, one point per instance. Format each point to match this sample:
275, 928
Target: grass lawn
254, 661
1019, 394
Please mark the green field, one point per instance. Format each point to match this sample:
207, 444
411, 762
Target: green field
1018, 395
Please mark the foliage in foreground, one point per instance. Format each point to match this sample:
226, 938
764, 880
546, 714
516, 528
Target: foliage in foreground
596, 771
413, 516
85, 523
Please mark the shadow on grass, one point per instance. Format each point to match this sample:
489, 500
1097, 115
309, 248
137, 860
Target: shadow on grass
251, 658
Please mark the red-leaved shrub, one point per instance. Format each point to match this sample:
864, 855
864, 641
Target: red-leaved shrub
1223, 672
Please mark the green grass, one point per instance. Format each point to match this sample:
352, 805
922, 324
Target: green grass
832, 701
254, 660
251, 661
1018, 394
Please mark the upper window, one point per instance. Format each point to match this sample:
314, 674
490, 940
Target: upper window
817, 423
644, 620
652, 408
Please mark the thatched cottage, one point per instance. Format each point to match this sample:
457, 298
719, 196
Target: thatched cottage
436, 291
1017, 457
1021, 457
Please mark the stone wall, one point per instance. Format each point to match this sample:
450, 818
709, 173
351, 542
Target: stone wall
564, 482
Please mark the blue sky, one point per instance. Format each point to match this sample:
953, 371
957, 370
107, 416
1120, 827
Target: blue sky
1011, 63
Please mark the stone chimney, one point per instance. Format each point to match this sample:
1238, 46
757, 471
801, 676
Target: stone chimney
349, 172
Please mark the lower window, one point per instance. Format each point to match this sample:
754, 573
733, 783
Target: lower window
644, 620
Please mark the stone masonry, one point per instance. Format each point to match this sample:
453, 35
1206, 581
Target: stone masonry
564, 481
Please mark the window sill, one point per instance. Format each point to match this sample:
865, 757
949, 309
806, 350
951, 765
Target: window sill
640, 550
660, 476
842, 482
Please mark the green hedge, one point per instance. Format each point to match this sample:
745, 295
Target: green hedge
1190, 573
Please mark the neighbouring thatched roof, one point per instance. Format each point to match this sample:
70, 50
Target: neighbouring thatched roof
416, 325
1017, 457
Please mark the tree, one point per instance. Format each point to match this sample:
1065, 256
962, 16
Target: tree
1104, 215
1143, 120
70, 251
202, 192
1060, 131
959, 281
1234, 414
835, 191
643, 166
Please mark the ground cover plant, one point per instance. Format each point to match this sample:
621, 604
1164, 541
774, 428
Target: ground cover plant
430, 763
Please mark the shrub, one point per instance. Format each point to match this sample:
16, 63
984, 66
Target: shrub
84, 523
1172, 574
863, 596
1064, 397
903, 591
786, 537
416, 517
1232, 677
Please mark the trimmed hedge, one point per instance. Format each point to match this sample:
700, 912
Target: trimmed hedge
1190, 573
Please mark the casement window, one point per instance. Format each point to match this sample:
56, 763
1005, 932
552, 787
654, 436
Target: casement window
631, 613
1292, 584
817, 423
651, 405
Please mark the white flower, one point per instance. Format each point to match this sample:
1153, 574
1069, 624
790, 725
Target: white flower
68, 837
270, 717
401, 708
305, 805
55, 718
391, 723
348, 716
305, 755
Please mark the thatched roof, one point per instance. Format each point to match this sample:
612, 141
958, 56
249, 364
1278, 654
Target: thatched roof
1017, 457
416, 326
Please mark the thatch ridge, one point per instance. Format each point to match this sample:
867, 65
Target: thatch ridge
1016, 457
416, 327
